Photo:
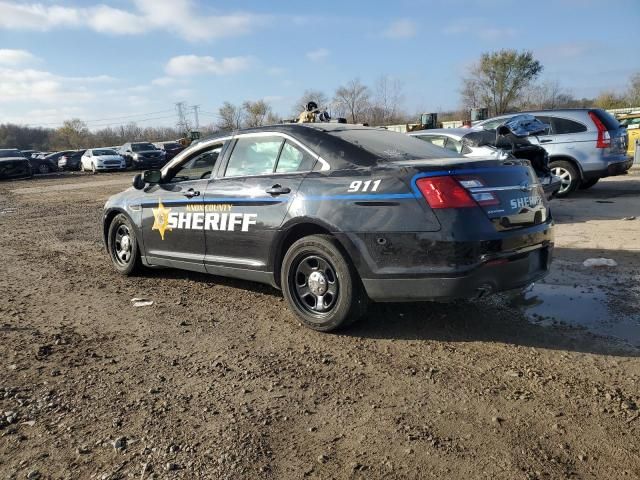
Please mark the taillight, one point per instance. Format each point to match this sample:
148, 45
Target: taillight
444, 192
604, 139
482, 198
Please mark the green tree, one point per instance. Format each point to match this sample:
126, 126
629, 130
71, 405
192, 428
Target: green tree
498, 80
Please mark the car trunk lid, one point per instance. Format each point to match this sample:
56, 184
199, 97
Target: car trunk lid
508, 192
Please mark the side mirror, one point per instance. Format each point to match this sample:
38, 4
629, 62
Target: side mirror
138, 182
152, 176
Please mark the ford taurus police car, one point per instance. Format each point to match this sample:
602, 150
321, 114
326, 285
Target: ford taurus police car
336, 215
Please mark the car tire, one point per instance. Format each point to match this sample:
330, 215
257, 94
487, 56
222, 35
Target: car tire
124, 253
43, 169
588, 183
568, 174
320, 284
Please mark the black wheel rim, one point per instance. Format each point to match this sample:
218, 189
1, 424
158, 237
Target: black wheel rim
43, 169
122, 246
314, 285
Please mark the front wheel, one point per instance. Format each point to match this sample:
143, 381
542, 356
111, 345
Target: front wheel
43, 168
123, 245
588, 183
320, 285
569, 176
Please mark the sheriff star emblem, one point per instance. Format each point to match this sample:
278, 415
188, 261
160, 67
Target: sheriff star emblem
161, 219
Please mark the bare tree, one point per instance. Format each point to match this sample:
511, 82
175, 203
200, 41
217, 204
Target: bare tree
310, 95
72, 134
387, 98
633, 94
498, 80
353, 101
256, 112
231, 117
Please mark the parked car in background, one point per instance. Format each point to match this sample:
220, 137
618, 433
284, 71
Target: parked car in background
43, 165
141, 155
459, 140
171, 149
584, 145
13, 164
29, 153
101, 159
632, 123
70, 160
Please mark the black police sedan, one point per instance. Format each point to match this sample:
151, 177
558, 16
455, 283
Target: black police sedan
336, 215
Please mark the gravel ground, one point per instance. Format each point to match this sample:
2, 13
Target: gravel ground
218, 380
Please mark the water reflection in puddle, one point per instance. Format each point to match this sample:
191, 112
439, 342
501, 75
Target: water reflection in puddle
585, 307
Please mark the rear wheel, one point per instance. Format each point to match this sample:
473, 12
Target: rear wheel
123, 245
568, 176
43, 168
588, 183
320, 285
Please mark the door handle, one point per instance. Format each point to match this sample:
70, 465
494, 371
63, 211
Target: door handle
546, 140
191, 193
278, 190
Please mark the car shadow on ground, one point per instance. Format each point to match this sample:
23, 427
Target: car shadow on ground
495, 319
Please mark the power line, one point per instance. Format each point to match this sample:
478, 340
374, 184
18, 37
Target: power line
94, 120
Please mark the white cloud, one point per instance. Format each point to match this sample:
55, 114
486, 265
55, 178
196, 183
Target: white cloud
105, 19
175, 16
163, 81
479, 28
318, 54
400, 29
45, 87
12, 58
185, 65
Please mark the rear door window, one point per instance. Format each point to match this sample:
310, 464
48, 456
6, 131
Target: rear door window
294, 159
563, 126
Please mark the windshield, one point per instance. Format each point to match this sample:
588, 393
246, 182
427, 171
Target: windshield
99, 153
391, 145
172, 145
10, 153
142, 147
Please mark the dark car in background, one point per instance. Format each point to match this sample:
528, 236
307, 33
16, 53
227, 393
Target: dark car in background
42, 164
139, 155
70, 160
171, 149
13, 164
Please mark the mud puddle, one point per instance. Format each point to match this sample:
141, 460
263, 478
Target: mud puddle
583, 307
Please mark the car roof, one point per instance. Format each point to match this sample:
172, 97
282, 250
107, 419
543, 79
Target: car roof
452, 132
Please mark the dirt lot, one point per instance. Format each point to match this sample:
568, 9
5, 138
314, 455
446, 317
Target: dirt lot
217, 379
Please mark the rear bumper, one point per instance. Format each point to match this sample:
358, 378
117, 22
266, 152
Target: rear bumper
504, 272
614, 168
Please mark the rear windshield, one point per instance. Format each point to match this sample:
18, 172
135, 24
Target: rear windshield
607, 119
391, 145
105, 151
142, 147
10, 153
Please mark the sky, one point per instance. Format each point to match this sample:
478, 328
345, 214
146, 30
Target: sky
131, 60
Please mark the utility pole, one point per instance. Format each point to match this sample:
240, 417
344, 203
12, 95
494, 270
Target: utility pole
195, 115
182, 124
